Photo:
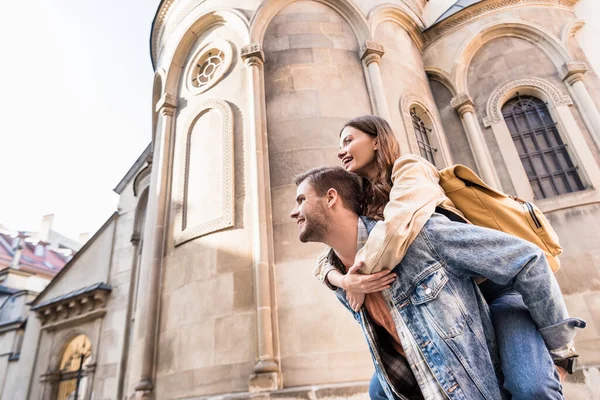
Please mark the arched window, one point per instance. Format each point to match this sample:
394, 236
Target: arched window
543, 153
73, 369
422, 131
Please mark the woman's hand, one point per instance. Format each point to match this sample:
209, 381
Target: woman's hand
357, 283
355, 300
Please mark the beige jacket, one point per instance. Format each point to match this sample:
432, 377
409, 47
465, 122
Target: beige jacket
414, 196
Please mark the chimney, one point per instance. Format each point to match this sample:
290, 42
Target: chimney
40, 249
46, 227
18, 249
83, 238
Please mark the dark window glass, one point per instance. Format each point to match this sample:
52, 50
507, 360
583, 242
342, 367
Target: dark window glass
422, 132
543, 153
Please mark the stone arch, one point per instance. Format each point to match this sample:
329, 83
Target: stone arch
185, 230
569, 32
558, 107
157, 91
439, 75
270, 8
64, 339
140, 211
527, 31
411, 100
403, 15
533, 86
193, 25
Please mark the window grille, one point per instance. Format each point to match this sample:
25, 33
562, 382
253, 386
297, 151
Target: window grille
543, 153
422, 132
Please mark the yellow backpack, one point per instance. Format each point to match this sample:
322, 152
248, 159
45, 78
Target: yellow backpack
490, 208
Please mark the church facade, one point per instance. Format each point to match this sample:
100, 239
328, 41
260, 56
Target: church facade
198, 286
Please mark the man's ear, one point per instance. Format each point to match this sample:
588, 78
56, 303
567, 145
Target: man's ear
332, 197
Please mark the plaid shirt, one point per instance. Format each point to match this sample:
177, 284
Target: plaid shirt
404, 375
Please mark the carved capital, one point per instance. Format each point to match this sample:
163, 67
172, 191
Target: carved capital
573, 71
371, 52
166, 105
462, 103
252, 54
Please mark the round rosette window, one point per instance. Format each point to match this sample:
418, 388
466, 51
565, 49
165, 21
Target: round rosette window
210, 65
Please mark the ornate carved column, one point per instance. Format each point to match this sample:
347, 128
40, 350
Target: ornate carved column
463, 104
267, 373
371, 54
573, 76
152, 253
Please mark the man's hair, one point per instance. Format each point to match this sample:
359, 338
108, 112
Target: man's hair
347, 184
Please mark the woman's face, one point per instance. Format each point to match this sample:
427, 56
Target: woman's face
357, 152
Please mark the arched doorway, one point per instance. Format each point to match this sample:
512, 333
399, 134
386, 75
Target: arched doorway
73, 374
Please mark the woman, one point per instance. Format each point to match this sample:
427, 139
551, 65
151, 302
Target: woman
369, 148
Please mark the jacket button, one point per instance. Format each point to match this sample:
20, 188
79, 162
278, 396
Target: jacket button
428, 291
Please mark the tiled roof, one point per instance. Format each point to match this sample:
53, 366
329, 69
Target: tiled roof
96, 286
49, 264
456, 7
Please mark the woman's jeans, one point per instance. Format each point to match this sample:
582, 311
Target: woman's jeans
529, 372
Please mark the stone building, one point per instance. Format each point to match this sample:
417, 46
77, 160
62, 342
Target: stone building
197, 286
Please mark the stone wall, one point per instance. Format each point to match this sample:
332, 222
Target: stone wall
314, 83
207, 329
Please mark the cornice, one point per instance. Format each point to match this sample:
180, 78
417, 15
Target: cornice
481, 9
81, 304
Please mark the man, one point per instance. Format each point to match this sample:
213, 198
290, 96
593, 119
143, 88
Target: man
429, 334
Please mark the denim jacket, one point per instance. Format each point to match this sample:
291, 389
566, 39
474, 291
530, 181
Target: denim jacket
436, 299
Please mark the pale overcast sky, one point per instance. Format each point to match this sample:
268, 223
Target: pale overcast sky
75, 107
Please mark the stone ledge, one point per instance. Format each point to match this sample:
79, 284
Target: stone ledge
357, 391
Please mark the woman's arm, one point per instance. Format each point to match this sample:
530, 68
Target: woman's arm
327, 273
413, 198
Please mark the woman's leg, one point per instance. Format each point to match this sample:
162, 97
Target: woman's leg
376, 390
529, 372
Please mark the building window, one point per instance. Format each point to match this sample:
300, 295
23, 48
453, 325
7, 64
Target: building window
422, 132
209, 65
543, 153
73, 369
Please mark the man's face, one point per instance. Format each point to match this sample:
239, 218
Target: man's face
310, 214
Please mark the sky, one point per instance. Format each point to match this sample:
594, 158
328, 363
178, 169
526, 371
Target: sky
75, 108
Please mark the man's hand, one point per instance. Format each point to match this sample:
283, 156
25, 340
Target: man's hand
355, 300
357, 283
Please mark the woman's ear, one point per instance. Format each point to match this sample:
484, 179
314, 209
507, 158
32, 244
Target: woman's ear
376, 144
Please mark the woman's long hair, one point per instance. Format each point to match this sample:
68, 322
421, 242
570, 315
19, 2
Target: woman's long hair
377, 191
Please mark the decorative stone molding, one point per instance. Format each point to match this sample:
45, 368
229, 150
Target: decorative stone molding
166, 105
252, 54
371, 52
573, 71
501, 94
183, 232
210, 64
142, 180
462, 103
483, 8
401, 14
86, 303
